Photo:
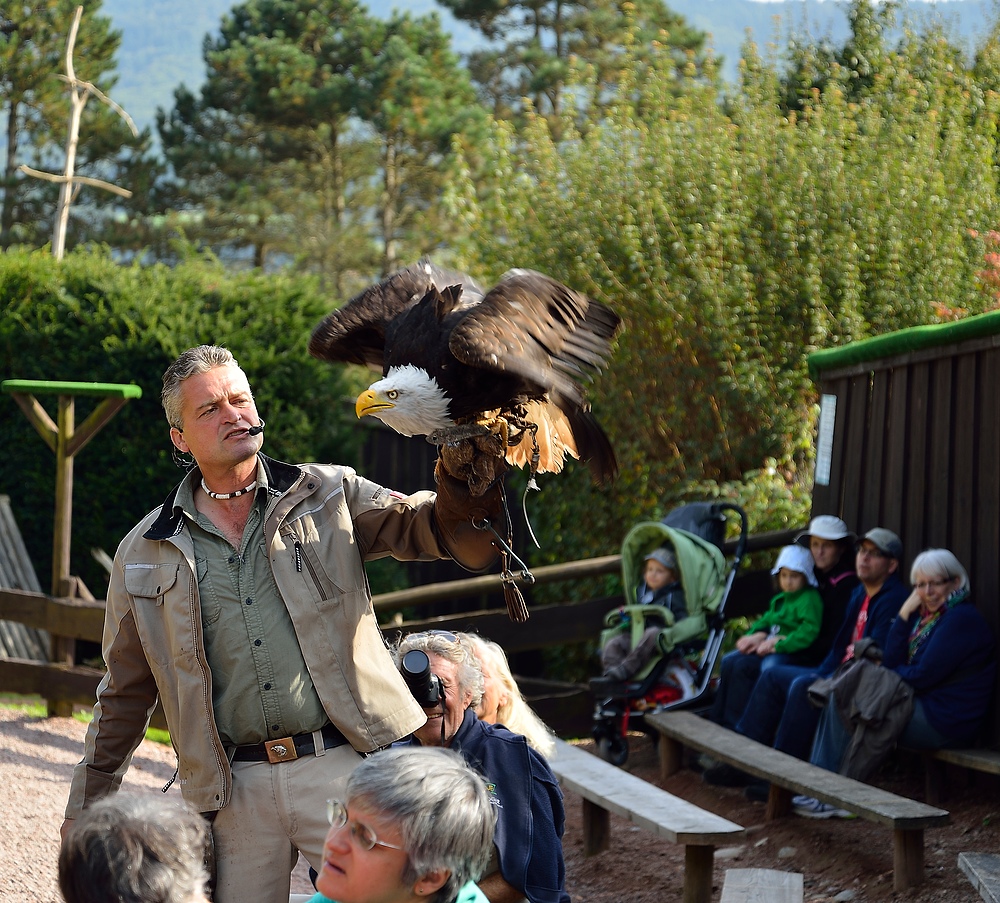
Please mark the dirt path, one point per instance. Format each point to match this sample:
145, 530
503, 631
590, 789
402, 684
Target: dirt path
841, 860
37, 756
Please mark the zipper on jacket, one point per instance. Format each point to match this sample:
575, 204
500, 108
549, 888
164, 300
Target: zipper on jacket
298, 556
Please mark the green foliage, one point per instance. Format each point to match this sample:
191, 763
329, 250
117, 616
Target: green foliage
733, 241
89, 319
321, 135
34, 109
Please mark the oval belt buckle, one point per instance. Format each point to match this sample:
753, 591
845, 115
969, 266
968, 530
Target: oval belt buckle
281, 750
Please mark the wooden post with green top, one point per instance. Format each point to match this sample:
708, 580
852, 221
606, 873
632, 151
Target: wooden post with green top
66, 441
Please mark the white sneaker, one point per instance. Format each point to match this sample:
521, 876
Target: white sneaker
813, 808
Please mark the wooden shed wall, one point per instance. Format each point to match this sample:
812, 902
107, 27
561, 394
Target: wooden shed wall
915, 449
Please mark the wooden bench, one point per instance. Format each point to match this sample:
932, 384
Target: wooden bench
755, 885
935, 763
606, 789
788, 775
983, 870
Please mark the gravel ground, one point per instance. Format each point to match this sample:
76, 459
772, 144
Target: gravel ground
841, 860
37, 756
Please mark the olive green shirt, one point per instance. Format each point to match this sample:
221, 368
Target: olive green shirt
261, 689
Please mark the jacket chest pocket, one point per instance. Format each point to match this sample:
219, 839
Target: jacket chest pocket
305, 549
148, 585
150, 581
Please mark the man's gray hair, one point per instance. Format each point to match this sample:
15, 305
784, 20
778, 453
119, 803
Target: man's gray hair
939, 564
440, 806
447, 645
195, 360
135, 849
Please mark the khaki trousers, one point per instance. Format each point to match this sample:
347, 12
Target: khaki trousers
276, 813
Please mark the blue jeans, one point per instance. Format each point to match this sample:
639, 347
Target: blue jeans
738, 676
921, 734
831, 740
779, 713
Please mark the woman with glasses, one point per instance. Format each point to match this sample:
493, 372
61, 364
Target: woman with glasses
415, 824
942, 647
943, 650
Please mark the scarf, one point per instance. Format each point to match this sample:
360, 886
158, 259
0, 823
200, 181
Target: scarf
926, 623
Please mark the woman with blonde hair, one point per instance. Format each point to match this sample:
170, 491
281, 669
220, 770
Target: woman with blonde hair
502, 702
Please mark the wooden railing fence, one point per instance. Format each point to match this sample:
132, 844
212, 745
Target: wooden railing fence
565, 706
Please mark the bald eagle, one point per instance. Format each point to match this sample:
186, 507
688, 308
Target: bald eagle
453, 357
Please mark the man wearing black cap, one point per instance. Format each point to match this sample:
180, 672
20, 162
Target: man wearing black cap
779, 712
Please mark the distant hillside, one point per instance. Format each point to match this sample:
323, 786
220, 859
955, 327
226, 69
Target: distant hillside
727, 21
162, 39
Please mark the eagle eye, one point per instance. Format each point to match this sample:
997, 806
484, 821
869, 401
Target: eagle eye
392, 394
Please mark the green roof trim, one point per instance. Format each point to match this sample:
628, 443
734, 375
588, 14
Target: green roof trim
54, 387
915, 338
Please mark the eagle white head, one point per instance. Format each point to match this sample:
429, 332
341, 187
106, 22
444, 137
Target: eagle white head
407, 400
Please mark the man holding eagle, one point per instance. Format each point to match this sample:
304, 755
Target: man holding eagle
241, 604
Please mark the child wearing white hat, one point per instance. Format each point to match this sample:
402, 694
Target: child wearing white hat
792, 619
790, 624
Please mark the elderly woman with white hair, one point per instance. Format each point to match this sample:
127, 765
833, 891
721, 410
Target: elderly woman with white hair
415, 824
942, 647
943, 650
530, 817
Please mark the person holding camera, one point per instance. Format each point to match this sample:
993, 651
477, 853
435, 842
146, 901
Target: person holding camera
445, 679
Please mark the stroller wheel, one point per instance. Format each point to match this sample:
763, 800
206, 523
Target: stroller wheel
613, 749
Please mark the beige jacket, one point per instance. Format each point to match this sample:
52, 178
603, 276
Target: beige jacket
327, 522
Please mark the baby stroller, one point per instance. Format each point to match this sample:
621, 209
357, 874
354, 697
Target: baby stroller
680, 672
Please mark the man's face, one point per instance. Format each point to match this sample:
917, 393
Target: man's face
825, 552
456, 701
217, 410
873, 565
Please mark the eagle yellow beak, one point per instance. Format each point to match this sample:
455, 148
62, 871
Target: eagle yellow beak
370, 402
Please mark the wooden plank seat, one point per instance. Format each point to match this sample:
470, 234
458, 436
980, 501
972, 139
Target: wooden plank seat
758, 885
983, 870
606, 789
979, 759
788, 776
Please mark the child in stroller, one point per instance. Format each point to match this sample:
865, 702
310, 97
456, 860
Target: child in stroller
656, 655
660, 587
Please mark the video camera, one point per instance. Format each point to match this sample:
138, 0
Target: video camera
425, 687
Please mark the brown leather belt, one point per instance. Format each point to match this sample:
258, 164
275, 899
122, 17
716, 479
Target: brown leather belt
286, 749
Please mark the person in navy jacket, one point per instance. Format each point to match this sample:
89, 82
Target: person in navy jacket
942, 647
779, 712
529, 804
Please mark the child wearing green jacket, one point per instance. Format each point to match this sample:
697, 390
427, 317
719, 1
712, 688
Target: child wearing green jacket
789, 626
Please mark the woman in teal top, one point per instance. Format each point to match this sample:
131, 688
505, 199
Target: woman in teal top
416, 824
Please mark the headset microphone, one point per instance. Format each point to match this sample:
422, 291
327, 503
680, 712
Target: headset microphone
256, 430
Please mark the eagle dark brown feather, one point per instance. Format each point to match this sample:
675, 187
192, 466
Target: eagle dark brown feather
528, 344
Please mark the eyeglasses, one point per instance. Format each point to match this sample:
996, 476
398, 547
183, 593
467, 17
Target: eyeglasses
932, 584
364, 836
871, 551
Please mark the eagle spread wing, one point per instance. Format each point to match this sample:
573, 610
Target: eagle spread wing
356, 332
452, 354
